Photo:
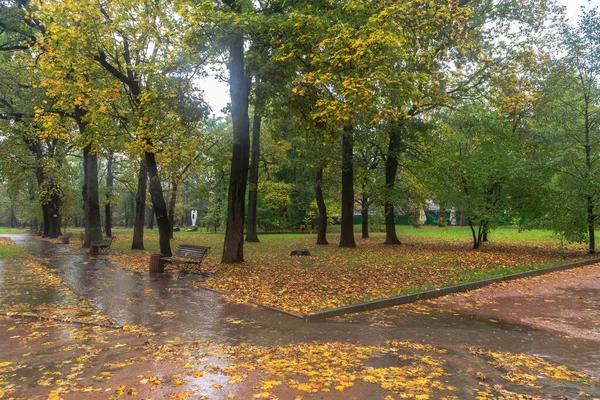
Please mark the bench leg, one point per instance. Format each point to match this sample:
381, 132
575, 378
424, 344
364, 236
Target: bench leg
94, 250
185, 269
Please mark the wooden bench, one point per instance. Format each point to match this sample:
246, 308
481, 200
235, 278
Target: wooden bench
188, 258
102, 244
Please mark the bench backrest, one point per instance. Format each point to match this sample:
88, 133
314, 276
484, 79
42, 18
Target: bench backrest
107, 240
191, 251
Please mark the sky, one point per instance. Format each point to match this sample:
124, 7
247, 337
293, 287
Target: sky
217, 92
573, 6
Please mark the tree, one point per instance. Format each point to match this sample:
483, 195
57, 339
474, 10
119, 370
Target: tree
139, 47
368, 161
322, 48
475, 164
108, 223
571, 107
22, 105
239, 86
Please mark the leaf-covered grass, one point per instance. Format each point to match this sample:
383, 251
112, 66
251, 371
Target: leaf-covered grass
334, 277
8, 249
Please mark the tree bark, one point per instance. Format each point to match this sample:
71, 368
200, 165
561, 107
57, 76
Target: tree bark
140, 208
108, 206
476, 241
50, 206
45, 220
478, 236
40, 176
364, 212
90, 191
591, 217
150, 218
91, 200
233, 248
126, 212
159, 205
13, 222
322, 208
172, 203
391, 170
251, 234
347, 228
51, 200
591, 224
54, 217
474, 235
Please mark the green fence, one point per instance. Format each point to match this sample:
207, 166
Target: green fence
432, 218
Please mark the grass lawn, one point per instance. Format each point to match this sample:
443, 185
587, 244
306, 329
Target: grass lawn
334, 277
8, 231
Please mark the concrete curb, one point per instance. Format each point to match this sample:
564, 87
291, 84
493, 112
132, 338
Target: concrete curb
433, 293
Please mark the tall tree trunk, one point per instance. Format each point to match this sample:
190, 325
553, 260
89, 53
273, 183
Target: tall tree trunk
364, 212
13, 222
159, 205
51, 200
151, 218
50, 206
591, 225
391, 170
126, 212
140, 208
45, 220
233, 248
591, 217
93, 226
251, 234
347, 233
108, 206
90, 191
54, 217
476, 236
172, 203
86, 202
40, 176
322, 208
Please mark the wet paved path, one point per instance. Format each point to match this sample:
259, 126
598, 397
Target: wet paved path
133, 298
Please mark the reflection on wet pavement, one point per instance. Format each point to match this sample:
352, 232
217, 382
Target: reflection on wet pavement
179, 309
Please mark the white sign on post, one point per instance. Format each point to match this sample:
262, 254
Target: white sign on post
194, 214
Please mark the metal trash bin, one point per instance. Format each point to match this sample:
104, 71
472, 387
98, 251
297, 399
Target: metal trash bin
156, 264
